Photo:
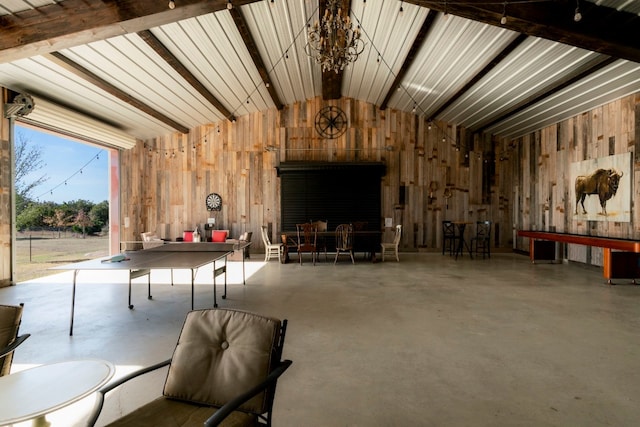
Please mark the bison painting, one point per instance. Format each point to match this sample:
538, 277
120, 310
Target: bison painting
603, 182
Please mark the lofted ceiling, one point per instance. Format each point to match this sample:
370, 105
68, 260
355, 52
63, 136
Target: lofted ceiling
149, 71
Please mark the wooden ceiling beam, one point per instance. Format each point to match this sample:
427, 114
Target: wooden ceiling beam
332, 81
252, 47
97, 81
175, 63
411, 56
75, 22
602, 29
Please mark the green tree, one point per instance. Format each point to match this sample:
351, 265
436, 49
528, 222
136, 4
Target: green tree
33, 215
99, 214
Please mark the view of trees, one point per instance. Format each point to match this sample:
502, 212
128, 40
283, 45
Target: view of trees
81, 216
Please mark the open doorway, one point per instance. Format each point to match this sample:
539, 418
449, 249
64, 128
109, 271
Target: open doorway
62, 201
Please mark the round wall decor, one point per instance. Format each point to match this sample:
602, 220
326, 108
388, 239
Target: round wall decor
331, 122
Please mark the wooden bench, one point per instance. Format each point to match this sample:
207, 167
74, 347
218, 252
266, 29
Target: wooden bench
621, 257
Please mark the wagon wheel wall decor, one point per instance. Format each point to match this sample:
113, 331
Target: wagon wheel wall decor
331, 122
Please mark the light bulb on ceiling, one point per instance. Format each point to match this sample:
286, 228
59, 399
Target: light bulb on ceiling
503, 20
229, 5
172, 4
577, 17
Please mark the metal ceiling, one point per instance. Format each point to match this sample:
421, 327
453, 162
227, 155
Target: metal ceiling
468, 73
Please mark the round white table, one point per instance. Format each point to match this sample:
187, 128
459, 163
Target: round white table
35, 392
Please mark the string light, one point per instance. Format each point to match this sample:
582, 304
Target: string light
64, 182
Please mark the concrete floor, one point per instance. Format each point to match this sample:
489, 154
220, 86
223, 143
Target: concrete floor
429, 341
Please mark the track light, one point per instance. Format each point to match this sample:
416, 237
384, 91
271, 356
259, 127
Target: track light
172, 4
503, 20
577, 16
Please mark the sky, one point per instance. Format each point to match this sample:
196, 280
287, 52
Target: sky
75, 170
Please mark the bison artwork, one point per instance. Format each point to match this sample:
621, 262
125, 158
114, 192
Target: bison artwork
603, 182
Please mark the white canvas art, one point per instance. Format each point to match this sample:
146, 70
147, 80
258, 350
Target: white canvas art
602, 188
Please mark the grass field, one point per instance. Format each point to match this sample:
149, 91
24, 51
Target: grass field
36, 252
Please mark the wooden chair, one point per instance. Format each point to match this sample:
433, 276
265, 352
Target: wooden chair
270, 249
393, 246
223, 371
481, 242
322, 240
307, 240
10, 319
344, 241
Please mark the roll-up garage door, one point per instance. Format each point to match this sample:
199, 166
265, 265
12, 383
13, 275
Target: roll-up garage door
52, 117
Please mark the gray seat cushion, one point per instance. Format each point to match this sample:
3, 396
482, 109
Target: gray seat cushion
219, 355
164, 412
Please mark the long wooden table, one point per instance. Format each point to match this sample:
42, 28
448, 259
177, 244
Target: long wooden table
621, 257
367, 241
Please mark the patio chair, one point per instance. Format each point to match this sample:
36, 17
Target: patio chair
393, 246
270, 249
10, 319
151, 240
223, 371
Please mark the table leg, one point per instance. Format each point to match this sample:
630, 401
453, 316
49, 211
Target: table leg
215, 302
224, 296
244, 280
193, 280
40, 421
73, 301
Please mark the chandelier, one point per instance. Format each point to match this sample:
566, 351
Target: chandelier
333, 43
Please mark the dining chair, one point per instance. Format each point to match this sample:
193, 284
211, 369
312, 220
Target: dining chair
344, 241
449, 237
393, 246
270, 249
481, 242
223, 371
307, 234
10, 319
322, 238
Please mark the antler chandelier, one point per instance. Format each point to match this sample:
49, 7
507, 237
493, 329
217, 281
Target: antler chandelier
333, 43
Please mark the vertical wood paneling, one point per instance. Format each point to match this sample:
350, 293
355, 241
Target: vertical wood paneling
609, 129
5, 195
530, 189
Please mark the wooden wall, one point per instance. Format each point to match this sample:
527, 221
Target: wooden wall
5, 194
539, 167
165, 181
517, 184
